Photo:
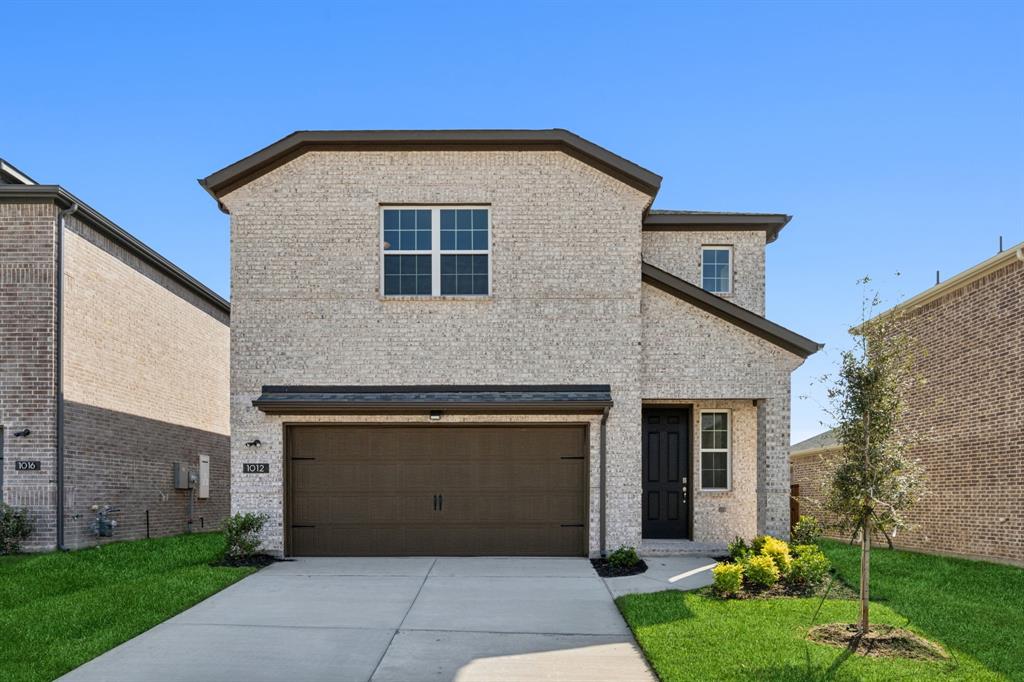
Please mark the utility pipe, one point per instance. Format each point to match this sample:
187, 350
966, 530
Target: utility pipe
604, 494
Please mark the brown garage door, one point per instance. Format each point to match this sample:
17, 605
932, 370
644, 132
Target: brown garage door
436, 490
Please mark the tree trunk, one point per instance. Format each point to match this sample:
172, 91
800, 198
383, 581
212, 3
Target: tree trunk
865, 571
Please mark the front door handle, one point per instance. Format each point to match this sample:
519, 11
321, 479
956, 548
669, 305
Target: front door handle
435, 502
440, 502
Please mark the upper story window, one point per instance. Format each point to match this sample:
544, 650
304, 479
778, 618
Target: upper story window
716, 269
436, 251
715, 445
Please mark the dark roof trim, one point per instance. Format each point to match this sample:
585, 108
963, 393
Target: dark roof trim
242, 172
698, 221
64, 199
730, 312
422, 399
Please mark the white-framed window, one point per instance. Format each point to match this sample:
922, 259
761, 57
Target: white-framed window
715, 450
435, 250
716, 269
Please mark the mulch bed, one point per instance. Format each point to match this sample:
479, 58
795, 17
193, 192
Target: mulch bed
607, 570
881, 640
258, 560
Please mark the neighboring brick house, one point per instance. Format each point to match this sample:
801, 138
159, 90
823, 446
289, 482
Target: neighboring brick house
485, 342
967, 417
144, 373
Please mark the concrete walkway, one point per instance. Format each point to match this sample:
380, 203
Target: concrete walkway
401, 620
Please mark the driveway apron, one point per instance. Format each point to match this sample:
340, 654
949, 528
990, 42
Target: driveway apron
404, 619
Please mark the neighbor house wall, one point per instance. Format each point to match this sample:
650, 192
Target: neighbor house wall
680, 253
691, 356
565, 307
27, 318
146, 385
966, 419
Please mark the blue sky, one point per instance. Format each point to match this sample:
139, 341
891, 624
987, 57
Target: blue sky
893, 132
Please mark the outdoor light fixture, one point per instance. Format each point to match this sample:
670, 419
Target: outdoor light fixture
253, 443
22, 433
435, 415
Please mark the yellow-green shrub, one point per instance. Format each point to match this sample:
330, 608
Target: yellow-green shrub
728, 579
778, 550
761, 571
809, 568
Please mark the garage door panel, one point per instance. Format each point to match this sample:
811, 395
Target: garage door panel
371, 490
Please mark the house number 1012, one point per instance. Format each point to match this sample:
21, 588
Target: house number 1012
255, 468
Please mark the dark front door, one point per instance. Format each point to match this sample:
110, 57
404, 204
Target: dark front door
666, 468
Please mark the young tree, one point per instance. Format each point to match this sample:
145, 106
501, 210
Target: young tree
872, 481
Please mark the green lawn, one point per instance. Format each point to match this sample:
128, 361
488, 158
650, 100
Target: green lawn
975, 609
59, 610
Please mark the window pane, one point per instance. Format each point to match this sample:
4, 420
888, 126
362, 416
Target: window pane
479, 240
707, 479
448, 220
464, 240
391, 239
464, 219
464, 275
707, 439
407, 241
721, 479
423, 241
408, 221
407, 276
721, 421
447, 240
480, 219
707, 420
390, 220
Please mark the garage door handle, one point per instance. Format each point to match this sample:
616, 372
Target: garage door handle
440, 502
299, 525
435, 502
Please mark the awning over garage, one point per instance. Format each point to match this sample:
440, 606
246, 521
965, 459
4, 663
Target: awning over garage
570, 398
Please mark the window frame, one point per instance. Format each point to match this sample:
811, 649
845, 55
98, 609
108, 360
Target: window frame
727, 450
435, 251
703, 257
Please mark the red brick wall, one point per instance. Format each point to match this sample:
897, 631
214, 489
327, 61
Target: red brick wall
968, 419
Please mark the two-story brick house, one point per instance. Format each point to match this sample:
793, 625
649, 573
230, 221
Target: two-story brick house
965, 420
486, 342
113, 369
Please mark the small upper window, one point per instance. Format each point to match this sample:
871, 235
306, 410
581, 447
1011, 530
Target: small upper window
716, 269
436, 251
714, 450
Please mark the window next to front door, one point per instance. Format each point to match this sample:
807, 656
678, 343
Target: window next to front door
715, 444
436, 251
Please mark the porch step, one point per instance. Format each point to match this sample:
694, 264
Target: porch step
656, 548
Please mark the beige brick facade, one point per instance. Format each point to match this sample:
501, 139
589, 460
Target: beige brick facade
967, 418
145, 379
567, 307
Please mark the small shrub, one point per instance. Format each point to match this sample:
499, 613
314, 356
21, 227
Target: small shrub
806, 531
15, 527
809, 568
624, 558
761, 571
242, 535
778, 550
728, 579
757, 544
738, 548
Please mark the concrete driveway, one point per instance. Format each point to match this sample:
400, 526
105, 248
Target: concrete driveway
400, 619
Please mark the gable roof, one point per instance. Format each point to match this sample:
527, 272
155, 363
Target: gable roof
242, 172
730, 312
823, 441
697, 221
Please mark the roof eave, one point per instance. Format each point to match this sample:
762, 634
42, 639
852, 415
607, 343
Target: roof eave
770, 223
64, 199
241, 172
730, 312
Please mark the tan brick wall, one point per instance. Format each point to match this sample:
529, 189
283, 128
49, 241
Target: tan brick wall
566, 307
691, 355
146, 385
680, 254
968, 419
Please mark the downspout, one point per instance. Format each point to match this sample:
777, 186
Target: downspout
604, 495
58, 372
